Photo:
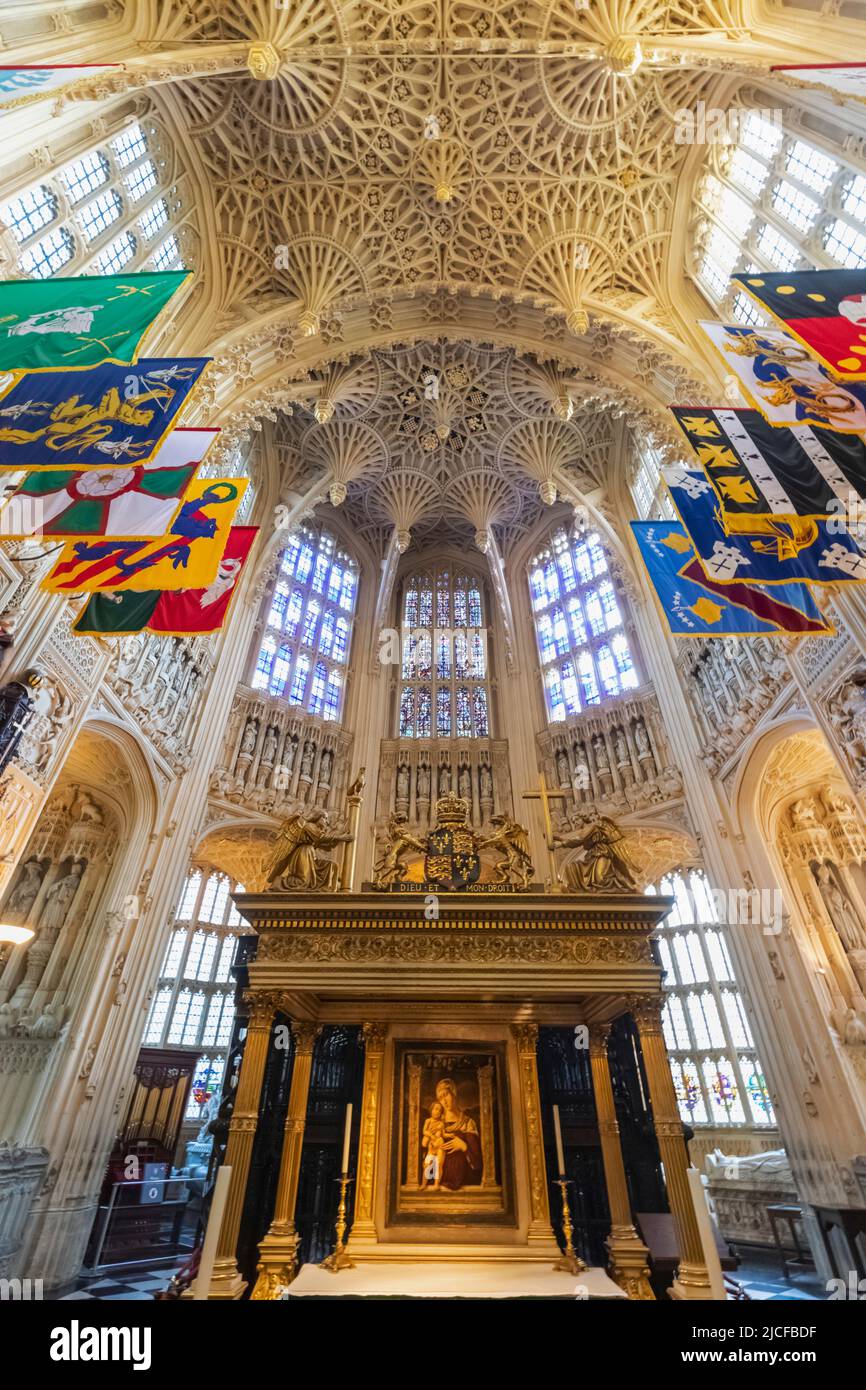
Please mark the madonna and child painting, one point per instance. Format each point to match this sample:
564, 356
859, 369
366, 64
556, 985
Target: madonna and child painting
450, 1114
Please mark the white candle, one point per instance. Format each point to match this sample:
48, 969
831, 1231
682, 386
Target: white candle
560, 1156
347, 1135
201, 1286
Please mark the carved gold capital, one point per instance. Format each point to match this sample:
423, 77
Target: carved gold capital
374, 1037
598, 1037
262, 1005
646, 1009
305, 1035
526, 1037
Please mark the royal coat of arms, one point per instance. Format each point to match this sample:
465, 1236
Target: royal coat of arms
451, 859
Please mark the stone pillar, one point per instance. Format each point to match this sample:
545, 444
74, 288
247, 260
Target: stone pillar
526, 1038
363, 1225
628, 1254
691, 1279
278, 1251
226, 1281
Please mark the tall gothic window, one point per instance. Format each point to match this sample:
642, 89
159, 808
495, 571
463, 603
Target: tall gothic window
582, 643
774, 201
445, 691
651, 497
717, 1074
111, 209
305, 650
193, 1005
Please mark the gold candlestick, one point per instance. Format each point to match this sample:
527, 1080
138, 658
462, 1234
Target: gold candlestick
570, 1260
339, 1257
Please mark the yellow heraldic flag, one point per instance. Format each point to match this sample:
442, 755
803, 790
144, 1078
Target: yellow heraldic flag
186, 557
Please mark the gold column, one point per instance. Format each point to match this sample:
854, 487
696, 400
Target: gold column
226, 1281
364, 1225
278, 1250
526, 1037
692, 1279
628, 1254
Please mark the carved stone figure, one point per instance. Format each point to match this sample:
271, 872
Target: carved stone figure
403, 783
248, 742
26, 890
325, 767
48, 1024
423, 784
389, 868
804, 815
512, 842
563, 772
307, 760
444, 779
848, 706
464, 784
269, 751
621, 747
601, 761
641, 738
842, 913
486, 783
85, 809
295, 861
289, 753
59, 898
600, 869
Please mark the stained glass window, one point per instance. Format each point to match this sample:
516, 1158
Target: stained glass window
444, 664
717, 1075
317, 583
582, 644
100, 213
193, 1005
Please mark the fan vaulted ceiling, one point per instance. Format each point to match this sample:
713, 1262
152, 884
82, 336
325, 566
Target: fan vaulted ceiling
493, 192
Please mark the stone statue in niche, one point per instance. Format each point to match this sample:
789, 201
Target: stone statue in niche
290, 750
423, 782
641, 738
563, 772
269, 750
26, 890
486, 781
248, 742
598, 748
621, 747
325, 768
464, 784
842, 912
403, 783
307, 760
582, 781
444, 779
58, 899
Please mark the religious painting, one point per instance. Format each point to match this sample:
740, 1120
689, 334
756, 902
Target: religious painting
450, 1159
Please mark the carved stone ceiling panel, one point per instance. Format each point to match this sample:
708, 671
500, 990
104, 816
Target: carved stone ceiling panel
552, 172
447, 438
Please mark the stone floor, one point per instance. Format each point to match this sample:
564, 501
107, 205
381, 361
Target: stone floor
761, 1278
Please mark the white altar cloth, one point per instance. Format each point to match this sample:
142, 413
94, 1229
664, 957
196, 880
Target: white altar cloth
470, 1279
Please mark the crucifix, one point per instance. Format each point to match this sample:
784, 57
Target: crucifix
545, 796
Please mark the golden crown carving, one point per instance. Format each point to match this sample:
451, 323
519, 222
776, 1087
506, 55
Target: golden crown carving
452, 810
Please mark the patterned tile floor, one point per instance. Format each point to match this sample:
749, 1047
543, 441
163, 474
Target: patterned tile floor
762, 1280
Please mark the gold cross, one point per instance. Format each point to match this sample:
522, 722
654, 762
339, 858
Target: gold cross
545, 796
